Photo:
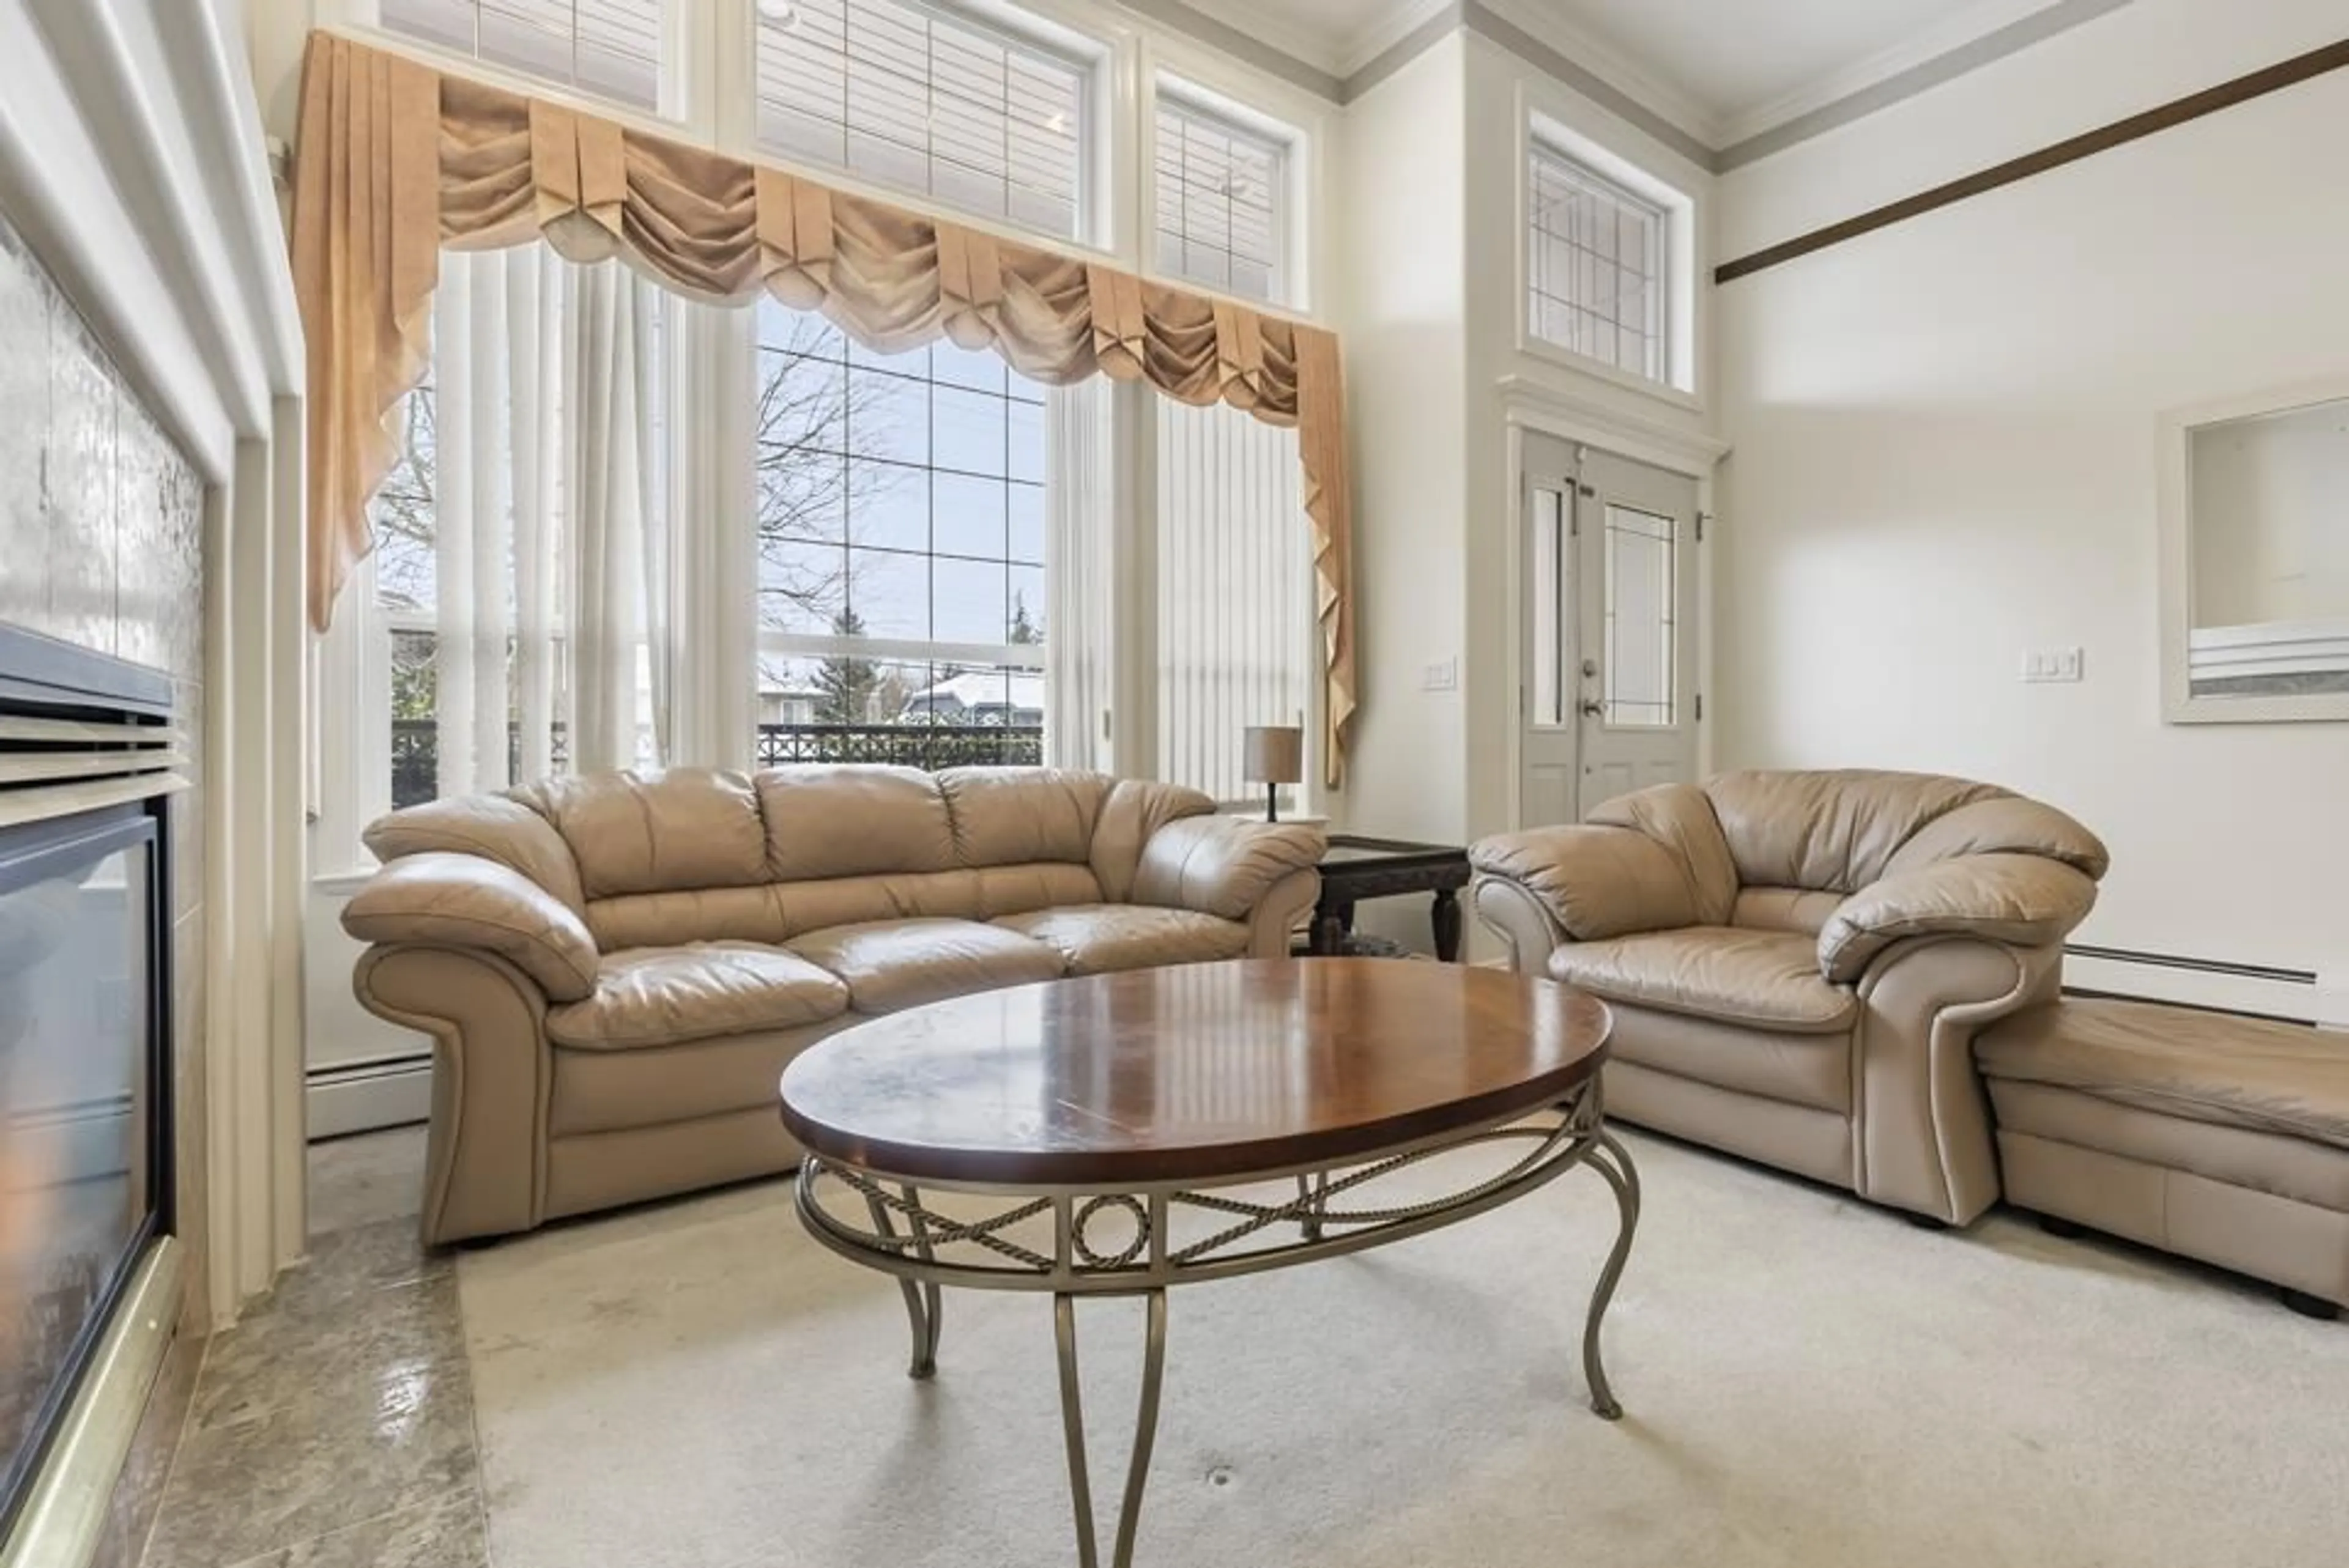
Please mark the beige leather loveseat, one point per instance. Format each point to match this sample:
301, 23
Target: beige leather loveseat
1798, 963
614, 969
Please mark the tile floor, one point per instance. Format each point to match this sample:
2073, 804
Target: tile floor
333, 1425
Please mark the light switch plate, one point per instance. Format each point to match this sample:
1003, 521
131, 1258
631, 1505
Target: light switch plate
1441, 675
2054, 664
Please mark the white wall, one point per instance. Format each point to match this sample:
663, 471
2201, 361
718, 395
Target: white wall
1945, 455
1402, 308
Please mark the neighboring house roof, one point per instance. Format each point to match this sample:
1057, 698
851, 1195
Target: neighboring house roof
977, 688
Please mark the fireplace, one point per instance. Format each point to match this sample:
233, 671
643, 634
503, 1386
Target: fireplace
88, 755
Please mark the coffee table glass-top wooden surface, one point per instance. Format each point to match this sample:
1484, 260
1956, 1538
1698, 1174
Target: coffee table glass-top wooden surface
1123, 1134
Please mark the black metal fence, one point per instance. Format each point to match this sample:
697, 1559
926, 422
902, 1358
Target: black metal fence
914, 745
416, 748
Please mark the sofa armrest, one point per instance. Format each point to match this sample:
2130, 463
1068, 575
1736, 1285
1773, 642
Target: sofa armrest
485, 1162
1921, 1122
444, 899
1595, 883
1222, 865
2024, 900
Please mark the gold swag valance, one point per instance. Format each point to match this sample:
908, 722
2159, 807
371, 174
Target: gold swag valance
395, 160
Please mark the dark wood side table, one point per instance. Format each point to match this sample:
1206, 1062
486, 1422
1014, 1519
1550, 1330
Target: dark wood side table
1358, 868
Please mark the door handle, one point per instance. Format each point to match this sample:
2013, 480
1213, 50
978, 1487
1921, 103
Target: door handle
1592, 708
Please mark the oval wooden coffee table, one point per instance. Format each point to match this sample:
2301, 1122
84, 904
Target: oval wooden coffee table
1100, 1133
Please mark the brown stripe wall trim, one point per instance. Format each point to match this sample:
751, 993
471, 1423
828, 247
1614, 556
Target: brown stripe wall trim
2120, 132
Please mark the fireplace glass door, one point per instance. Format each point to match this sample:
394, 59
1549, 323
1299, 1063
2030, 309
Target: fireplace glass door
81, 1186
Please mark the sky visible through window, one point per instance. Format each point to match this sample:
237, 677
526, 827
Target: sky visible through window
901, 498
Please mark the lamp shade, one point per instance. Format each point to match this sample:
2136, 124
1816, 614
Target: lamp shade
1274, 754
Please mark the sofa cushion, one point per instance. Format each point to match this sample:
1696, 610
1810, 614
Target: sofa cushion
689, 827
1132, 810
664, 995
892, 964
1681, 818
611, 1091
1095, 938
1015, 816
826, 820
1766, 978
1833, 830
2271, 1162
1790, 909
495, 827
2199, 1067
1805, 1070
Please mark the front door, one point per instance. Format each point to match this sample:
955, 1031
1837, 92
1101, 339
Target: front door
1608, 685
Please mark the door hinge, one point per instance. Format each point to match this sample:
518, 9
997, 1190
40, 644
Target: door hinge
1699, 708
1701, 518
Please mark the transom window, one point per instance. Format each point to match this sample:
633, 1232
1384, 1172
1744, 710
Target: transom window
1220, 199
1595, 267
611, 49
973, 115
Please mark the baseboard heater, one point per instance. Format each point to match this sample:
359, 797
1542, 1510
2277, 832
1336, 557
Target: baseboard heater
2213, 984
359, 1096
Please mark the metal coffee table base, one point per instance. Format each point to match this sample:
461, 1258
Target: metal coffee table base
1124, 1244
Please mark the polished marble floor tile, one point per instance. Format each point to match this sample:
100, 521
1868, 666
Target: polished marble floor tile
366, 1178
446, 1532
333, 1423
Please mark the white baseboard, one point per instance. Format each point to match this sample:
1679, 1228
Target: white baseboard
2272, 993
365, 1095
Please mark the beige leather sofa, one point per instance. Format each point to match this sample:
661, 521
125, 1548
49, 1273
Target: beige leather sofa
1798, 963
614, 969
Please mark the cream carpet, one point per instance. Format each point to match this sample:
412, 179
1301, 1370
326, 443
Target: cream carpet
1808, 1381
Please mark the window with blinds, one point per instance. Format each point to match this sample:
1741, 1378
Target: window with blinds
611, 49
1220, 202
953, 107
1595, 267
1235, 593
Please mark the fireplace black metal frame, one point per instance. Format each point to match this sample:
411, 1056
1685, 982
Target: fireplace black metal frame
40, 676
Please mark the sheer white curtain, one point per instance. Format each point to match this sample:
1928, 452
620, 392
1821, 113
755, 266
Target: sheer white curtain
1233, 616
552, 540
1080, 578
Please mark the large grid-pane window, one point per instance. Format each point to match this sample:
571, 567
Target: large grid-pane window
611, 49
1596, 268
1220, 202
951, 107
901, 551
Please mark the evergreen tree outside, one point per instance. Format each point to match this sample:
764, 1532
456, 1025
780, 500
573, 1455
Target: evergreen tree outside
1025, 632
846, 685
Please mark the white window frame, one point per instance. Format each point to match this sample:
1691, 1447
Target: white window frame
1034, 32
1542, 133
681, 100
1655, 278
1283, 142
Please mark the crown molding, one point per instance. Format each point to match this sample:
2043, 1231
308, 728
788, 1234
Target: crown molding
1947, 36
1386, 27
1634, 81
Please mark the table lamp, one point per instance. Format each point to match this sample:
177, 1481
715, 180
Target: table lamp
1274, 755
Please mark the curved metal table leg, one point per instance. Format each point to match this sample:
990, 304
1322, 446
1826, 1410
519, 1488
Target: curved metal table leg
1313, 1192
923, 1306
1613, 1162
1145, 1430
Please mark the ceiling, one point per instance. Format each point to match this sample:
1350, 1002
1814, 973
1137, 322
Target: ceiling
1725, 69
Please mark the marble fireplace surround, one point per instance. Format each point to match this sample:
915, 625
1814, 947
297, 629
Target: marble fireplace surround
149, 465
